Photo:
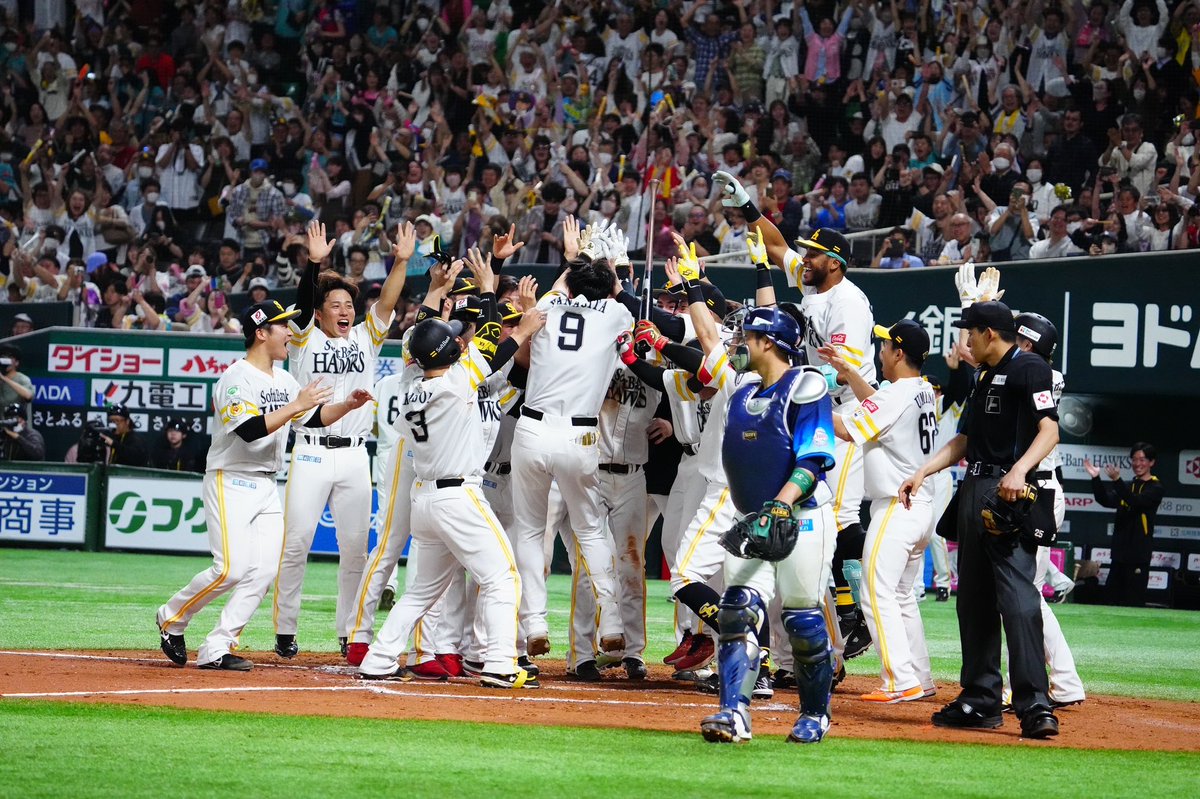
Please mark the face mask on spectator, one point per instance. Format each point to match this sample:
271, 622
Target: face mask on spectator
1001, 164
1161, 53
453, 181
152, 197
608, 207
1139, 94
1187, 141
1034, 175
289, 188
982, 53
1099, 91
50, 245
5, 156
252, 78
605, 159
145, 171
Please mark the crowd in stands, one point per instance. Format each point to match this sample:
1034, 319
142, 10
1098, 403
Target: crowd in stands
157, 155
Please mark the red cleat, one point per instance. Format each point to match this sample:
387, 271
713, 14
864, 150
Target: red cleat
356, 653
430, 670
453, 664
684, 645
700, 654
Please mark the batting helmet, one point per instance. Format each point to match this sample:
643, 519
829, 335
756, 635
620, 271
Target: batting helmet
434, 343
1040, 331
776, 325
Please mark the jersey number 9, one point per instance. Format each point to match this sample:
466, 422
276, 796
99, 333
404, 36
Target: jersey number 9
570, 332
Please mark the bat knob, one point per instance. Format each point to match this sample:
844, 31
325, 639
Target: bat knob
641, 348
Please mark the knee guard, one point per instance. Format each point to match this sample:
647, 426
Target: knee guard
813, 658
741, 615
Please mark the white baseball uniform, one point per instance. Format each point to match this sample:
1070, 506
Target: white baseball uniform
452, 525
945, 567
241, 509
388, 393
330, 465
897, 429
571, 363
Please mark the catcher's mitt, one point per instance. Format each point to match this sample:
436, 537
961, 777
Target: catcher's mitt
767, 535
1030, 516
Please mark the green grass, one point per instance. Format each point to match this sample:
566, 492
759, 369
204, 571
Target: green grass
155, 752
77, 600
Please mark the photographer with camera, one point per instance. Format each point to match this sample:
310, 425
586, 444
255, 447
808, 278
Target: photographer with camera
894, 254
116, 443
14, 386
21, 442
1012, 228
172, 452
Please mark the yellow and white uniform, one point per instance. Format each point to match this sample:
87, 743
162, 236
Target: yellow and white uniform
330, 465
241, 508
572, 360
452, 525
897, 430
945, 567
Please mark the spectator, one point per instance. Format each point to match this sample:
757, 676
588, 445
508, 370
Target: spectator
1130, 154
256, 210
960, 246
541, 228
180, 164
22, 323
862, 211
21, 442
1137, 505
14, 385
894, 254
1011, 228
1058, 244
124, 447
172, 451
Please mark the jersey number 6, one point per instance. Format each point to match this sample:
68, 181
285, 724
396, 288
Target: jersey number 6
570, 332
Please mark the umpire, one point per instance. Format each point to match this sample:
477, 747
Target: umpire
1009, 425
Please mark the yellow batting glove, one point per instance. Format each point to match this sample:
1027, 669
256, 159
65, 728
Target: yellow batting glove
758, 250
689, 263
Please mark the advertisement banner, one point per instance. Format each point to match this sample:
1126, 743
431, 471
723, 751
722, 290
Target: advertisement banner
43, 506
1189, 467
1072, 456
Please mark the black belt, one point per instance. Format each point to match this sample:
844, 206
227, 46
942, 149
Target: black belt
449, 482
689, 449
620, 468
996, 470
335, 442
498, 468
577, 421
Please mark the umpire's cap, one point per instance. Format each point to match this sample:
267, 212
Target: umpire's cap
434, 343
993, 314
776, 325
1040, 331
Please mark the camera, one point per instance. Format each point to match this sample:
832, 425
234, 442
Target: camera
91, 447
6, 364
11, 423
895, 249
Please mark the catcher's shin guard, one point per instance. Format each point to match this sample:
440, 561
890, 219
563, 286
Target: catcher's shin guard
742, 613
813, 658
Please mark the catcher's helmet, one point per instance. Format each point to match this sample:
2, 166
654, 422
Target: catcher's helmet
1040, 331
434, 343
776, 325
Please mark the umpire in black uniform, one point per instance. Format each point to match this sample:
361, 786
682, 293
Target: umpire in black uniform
1010, 424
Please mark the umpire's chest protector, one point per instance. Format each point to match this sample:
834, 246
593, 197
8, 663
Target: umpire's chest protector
767, 431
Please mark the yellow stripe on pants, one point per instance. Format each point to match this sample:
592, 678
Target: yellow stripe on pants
872, 579
217, 583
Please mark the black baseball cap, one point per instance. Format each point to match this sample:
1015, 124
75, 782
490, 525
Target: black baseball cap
934, 382
909, 336
117, 410
177, 424
994, 314
467, 308
828, 241
268, 312
510, 314
713, 297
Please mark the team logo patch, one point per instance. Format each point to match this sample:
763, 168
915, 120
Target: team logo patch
236, 409
309, 458
1043, 400
232, 391
243, 483
820, 438
870, 406
837, 338
999, 380
258, 317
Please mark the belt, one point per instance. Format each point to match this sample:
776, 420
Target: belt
690, 449
978, 469
620, 468
496, 467
336, 442
449, 482
577, 421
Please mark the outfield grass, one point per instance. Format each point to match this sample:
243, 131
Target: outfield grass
77, 600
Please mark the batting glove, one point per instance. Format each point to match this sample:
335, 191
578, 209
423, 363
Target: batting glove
625, 348
989, 285
968, 288
646, 332
734, 195
689, 262
758, 250
618, 247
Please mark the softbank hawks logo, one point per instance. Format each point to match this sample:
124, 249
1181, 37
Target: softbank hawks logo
338, 359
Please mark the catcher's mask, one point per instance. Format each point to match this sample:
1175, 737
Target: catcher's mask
1025, 516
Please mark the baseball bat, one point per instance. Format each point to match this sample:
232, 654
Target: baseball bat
648, 273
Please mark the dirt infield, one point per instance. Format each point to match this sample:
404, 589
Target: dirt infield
323, 685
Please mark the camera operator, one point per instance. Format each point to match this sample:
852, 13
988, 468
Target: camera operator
894, 254
172, 451
14, 386
117, 444
21, 442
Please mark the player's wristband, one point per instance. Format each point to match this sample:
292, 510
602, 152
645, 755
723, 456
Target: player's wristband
694, 294
763, 274
804, 480
751, 212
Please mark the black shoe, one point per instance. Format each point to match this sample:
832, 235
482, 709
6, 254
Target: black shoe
710, 684
521, 679
1056, 705
229, 662
784, 679
173, 647
474, 668
585, 672
344, 645
764, 686
838, 677
285, 646
858, 640
634, 669
524, 662
965, 717
943, 595
1039, 724
399, 674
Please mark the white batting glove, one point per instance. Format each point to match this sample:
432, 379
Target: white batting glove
733, 195
591, 241
968, 288
989, 285
618, 247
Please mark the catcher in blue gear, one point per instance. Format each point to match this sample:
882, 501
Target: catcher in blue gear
778, 445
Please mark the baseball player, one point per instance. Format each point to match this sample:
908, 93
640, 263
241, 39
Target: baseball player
947, 409
896, 427
836, 313
388, 393
777, 447
331, 466
452, 525
571, 361
253, 402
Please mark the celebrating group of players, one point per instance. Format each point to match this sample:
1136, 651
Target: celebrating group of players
520, 417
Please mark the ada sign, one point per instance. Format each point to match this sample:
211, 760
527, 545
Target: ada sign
69, 392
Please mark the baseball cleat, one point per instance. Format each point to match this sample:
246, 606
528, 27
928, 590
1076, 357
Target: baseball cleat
387, 600
522, 679
228, 662
612, 643
585, 672
810, 728
700, 654
858, 641
960, 715
523, 662
684, 645
474, 668
943, 595
709, 685
838, 676
430, 670
285, 646
693, 675
635, 669
537, 645
356, 653
764, 687
928, 692
784, 679
725, 727
397, 674
894, 697
453, 664
173, 647
344, 646
1059, 704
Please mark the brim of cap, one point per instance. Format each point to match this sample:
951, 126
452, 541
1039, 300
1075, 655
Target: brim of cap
883, 332
291, 313
814, 245
511, 317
